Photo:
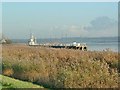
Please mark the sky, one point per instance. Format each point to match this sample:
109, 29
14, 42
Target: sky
60, 0
59, 19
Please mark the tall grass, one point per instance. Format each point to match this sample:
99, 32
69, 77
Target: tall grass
61, 68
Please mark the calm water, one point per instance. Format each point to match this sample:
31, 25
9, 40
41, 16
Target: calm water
97, 44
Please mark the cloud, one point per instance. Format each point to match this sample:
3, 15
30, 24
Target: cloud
99, 27
103, 26
77, 31
68, 30
102, 23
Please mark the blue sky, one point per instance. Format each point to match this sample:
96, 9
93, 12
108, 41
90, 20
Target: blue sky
55, 20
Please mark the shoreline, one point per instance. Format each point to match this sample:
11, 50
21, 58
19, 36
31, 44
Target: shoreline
89, 48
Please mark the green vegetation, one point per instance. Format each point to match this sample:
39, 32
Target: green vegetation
61, 68
8, 82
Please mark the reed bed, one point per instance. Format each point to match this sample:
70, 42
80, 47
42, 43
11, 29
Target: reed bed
61, 68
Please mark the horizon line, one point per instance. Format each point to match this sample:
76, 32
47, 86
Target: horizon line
73, 37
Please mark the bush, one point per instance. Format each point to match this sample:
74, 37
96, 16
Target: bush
7, 41
62, 68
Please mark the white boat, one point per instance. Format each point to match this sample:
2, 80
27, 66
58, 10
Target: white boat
32, 41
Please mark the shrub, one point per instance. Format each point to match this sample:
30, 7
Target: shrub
62, 68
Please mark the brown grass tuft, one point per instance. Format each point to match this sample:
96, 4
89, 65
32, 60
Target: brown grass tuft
61, 68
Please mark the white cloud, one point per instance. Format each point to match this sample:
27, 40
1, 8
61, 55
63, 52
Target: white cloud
77, 31
99, 27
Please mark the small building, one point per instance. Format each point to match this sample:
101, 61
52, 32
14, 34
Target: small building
2, 41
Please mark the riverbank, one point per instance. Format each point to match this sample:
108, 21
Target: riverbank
7, 82
61, 68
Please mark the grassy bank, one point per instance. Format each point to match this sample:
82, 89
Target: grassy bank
8, 82
61, 68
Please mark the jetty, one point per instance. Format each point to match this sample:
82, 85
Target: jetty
74, 45
81, 46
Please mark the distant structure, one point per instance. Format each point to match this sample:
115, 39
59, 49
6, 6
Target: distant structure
5, 40
74, 45
2, 41
32, 41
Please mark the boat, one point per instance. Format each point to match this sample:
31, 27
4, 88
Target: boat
32, 41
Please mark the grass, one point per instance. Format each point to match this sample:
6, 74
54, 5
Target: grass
8, 82
61, 68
